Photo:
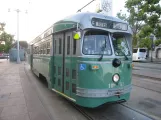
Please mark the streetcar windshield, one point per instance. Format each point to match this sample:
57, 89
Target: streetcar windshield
120, 45
96, 43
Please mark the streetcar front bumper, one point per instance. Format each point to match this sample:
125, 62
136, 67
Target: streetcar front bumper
102, 93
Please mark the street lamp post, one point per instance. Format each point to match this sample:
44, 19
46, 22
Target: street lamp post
152, 46
18, 56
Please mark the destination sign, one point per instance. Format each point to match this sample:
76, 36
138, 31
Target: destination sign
97, 22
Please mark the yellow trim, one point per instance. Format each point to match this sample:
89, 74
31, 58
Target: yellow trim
64, 95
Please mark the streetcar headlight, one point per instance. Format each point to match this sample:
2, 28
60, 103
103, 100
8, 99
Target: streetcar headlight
116, 78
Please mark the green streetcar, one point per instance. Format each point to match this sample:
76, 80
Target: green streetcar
86, 58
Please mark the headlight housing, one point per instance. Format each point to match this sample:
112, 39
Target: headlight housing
116, 78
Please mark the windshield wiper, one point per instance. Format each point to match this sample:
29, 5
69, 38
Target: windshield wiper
126, 58
102, 50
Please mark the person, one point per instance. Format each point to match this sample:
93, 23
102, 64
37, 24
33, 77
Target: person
24, 56
7, 56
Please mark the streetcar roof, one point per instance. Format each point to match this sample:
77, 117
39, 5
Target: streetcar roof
84, 20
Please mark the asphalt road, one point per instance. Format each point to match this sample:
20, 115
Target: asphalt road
60, 108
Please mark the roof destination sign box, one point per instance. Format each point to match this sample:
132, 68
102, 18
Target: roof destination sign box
97, 22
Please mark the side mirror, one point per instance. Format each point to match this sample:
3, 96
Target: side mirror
76, 35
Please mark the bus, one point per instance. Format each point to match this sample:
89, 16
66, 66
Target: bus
86, 58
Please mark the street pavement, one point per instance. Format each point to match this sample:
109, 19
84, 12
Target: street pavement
25, 97
147, 70
152, 65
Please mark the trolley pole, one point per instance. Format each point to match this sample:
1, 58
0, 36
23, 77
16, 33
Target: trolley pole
85, 6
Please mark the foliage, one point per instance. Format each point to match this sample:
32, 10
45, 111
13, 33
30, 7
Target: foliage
2, 47
5, 37
122, 16
152, 12
2, 25
136, 17
157, 42
143, 19
23, 44
145, 31
145, 42
158, 31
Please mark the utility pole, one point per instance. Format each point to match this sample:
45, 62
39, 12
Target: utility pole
152, 46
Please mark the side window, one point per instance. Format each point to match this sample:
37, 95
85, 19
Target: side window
48, 47
60, 45
68, 45
37, 50
55, 47
41, 49
44, 48
74, 46
34, 50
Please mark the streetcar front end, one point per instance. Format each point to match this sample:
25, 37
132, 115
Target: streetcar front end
104, 68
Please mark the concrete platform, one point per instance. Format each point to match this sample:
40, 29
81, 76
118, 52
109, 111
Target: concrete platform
20, 99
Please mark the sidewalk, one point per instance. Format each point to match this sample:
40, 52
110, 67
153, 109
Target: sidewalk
18, 99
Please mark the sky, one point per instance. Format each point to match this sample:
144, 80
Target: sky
41, 14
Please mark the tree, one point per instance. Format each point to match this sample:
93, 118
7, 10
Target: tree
143, 19
23, 44
157, 42
122, 16
152, 11
145, 42
135, 18
5, 37
158, 31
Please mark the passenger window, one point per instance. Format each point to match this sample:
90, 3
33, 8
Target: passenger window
48, 47
68, 45
74, 47
67, 85
74, 88
59, 70
44, 48
55, 46
73, 74
67, 72
60, 45
41, 49
37, 51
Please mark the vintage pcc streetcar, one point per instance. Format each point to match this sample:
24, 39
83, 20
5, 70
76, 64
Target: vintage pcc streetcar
86, 57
